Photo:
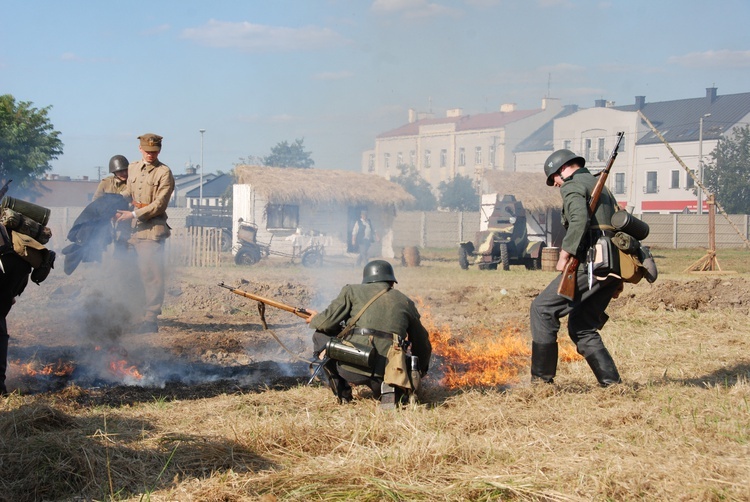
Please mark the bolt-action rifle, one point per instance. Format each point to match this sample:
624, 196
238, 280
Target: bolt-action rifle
567, 287
262, 302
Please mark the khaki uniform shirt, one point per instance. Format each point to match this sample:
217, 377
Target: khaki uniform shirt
576, 193
150, 186
110, 184
393, 312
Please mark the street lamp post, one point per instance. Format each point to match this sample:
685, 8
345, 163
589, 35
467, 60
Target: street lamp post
200, 189
700, 162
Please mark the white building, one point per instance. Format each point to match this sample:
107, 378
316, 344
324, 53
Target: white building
457, 144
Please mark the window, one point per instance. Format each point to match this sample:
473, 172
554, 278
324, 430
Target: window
478, 155
601, 154
282, 216
619, 183
651, 186
492, 155
412, 158
400, 159
689, 181
386, 160
443, 157
587, 149
462, 156
371, 163
427, 155
675, 181
566, 144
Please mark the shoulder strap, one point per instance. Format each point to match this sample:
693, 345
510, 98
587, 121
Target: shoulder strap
353, 320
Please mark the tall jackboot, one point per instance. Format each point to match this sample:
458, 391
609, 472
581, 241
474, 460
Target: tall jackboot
603, 367
3, 362
543, 361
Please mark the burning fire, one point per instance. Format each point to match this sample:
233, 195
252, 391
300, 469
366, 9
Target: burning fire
120, 368
58, 369
486, 357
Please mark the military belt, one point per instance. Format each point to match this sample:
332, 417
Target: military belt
372, 332
139, 205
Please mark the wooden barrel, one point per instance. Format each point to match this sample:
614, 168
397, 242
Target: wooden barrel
549, 259
410, 256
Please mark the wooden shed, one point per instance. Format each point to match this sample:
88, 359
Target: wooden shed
291, 207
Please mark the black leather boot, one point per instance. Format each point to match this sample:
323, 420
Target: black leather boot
3, 362
604, 368
543, 361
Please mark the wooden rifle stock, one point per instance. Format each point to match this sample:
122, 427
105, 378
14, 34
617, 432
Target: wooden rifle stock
304, 314
567, 287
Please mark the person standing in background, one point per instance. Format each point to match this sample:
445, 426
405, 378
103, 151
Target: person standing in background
363, 235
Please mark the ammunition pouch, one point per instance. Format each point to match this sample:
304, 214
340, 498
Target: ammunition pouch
398, 369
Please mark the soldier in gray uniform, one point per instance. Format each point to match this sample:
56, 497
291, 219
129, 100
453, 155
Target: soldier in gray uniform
565, 169
391, 313
150, 187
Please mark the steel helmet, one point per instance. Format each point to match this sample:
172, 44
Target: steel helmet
558, 159
378, 271
118, 163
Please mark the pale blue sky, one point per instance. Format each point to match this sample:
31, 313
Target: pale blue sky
339, 72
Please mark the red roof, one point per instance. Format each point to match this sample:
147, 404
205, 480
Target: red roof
464, 122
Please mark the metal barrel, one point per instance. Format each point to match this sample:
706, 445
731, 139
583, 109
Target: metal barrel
350, 353
626, 222
37, 213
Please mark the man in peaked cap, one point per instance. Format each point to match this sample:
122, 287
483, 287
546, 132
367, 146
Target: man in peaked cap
150, 187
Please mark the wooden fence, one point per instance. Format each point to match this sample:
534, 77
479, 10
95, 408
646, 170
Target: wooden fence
194, 247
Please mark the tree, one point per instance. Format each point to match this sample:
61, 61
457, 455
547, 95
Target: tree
286, 155
459, 194
27, 141
417, 186
727, 176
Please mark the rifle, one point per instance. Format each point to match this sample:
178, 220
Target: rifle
567, 287
4, 189
304, 314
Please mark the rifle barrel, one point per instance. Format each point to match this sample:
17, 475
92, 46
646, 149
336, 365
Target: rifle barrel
272, 303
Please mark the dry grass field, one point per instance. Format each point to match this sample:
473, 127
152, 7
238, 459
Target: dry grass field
212, 408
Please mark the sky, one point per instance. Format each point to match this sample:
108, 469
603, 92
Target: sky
336, 73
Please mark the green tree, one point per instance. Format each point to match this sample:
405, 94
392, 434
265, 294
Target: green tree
417, 186
727, 175
27, 141
459, 194
289, 155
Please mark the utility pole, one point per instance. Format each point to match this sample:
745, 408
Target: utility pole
200, 190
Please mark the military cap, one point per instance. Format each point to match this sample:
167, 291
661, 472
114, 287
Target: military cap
150, 142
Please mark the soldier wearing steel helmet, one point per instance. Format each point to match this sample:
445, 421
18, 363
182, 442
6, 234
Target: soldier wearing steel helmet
567, 171
118, 182
391, 313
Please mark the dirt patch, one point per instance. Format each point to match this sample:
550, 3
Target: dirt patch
709, 293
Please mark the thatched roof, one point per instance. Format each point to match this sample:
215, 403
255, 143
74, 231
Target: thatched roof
321, 186
530, 188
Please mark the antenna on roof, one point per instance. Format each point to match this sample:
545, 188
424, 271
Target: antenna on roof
549, 83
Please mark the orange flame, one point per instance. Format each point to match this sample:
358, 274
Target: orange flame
58, 369
121, 369
484, 356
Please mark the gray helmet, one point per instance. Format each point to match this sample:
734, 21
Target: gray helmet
558, 159
378, 271
118, 163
